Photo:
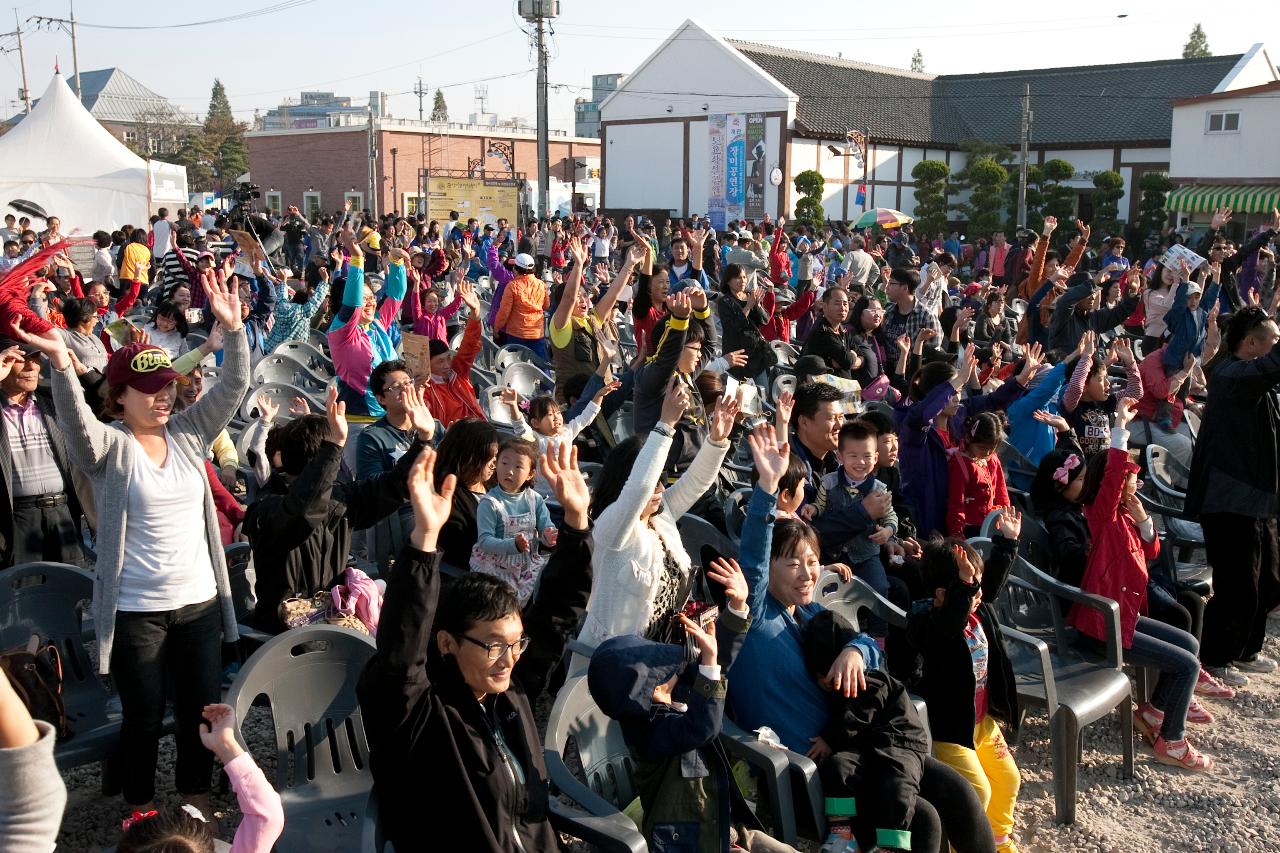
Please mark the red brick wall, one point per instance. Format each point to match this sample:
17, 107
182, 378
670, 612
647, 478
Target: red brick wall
332, 163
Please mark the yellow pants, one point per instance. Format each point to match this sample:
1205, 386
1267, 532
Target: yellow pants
990, 769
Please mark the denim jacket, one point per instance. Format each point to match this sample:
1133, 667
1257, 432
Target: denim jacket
843, 525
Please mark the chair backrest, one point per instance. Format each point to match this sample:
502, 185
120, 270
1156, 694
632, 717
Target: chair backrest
491, 402
696, 532
308, 677
1026, 602
306, 354
278, 367
735, 512
1014, 462
782, 382
1034, 542
988, 528
280, 393
1166, 473
607, 765
514, 354
849, 597
319, 340
455, 343
527, 379
787, 354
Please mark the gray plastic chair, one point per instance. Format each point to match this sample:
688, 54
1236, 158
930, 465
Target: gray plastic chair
308, 677
735, 512
319, 340
287, 370
784, 382
608, 769
787, 354
1074, 687
516, 354
306, 354
696, 532
244, 580
527, 379
281, 394
988, 528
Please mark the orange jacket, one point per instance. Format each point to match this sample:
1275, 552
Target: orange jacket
522, 310
455, 398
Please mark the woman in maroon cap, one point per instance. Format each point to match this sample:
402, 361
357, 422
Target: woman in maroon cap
161, 597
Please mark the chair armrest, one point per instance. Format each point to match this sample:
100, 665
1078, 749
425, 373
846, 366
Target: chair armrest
566, 783
1109, 609
775, 776
806, 787
1159, 508
1041, 651
613, 834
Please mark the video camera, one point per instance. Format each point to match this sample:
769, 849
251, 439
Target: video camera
244, 194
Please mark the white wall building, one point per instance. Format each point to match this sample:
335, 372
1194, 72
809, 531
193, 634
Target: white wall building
656, 144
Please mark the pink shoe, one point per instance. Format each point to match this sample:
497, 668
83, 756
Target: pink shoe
1212, 688
1197, 713
1147, 720
1181, 754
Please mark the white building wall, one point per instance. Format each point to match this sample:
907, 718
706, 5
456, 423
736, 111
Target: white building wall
699, 167
1144, 155
644, 166
1250, 153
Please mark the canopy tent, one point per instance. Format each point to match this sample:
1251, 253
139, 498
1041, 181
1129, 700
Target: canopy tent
1242, 199
61, 158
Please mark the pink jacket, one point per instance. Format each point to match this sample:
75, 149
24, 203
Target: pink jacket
432, 325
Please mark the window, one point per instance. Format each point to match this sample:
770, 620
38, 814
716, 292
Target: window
311, 205
274, 201
413, 204
1223, 122
130, 137
356, 200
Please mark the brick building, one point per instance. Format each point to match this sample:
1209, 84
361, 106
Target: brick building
317, 168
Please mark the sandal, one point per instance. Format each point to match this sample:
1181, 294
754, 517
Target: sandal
1181, 753
1212, 688
1197, 713
1148, 720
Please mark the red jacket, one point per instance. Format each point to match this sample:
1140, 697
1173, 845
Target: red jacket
455, 398
779, 259
973, 490
1117, 567
778, 325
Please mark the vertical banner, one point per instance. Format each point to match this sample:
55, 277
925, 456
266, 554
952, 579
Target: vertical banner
735, 165
756, 167
715, 172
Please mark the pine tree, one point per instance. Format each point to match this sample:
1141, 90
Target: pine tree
809, 184
439, 109
931, 196
917, 61
1106, 204
1059, 199
224, 138
1197, 45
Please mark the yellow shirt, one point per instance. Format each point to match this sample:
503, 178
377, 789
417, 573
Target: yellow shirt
135, 262
561, 336
374, 240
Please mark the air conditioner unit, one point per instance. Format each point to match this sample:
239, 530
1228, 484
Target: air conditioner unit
532, 9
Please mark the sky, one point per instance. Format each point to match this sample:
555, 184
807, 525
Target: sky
287, 46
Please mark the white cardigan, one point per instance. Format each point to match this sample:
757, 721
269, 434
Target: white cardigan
627, 557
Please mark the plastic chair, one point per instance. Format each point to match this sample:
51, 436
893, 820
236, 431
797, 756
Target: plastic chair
527, 379
988, 528
1074, 687
696, 532
1166, 473
306, 354
787, 354
279, 393
48, 599
735, 512
785, 382
516, 354
285, 369
308, 677
608, 769
319, 340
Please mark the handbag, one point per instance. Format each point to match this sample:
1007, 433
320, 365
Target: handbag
35, 671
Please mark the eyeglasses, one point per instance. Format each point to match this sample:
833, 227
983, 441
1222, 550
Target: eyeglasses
398, 387
496, 651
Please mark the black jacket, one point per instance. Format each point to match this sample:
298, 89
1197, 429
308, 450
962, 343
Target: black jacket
651, 387
58, 442
1069, 537
301, 531
441, 781
1231, 266
740, 330
682, 772
938, 633
1236, 467
833, 345
459, 534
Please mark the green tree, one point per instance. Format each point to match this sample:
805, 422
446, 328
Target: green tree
1106, 204
224, 139
1059, 199
931, 197
985, 179
917, 61
809, 208
975, 151
1152, 217
1035, 198
439, 109
1197, 45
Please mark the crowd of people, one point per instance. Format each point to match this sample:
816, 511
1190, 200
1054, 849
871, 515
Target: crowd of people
863, 390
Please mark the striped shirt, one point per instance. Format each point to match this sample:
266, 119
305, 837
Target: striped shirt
293, 321
171, 269
35, 468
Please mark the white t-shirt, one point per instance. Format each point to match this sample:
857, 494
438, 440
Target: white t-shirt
600, 248
166, 552
162, 230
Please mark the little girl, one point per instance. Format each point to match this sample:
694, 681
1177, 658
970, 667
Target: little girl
168, 328
425, 313
975, 476
1123, 540
187, 829
1055, 493
508, 521
546, 426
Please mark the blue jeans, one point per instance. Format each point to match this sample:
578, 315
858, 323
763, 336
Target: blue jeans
539, 346
872, 571
611, 403
1175, 653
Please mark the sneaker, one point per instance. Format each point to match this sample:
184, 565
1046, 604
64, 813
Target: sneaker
1256, 663
1197, 713
1228, 675
1212, 688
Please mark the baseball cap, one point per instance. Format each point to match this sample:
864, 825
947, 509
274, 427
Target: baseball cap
1193, 288
24, 348
524, 261
437, 347
143, 367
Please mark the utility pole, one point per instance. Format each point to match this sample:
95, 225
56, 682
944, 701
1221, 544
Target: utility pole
67, 25
538, 12
22, 61
419, 91
373, 165
1025, 155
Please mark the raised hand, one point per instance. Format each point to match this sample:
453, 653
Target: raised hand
737, 358
415, 404
1221, 216
559, 466
1125, 410
49, 342
771, 458
224, 304
1124, 351
1058, 422
729, 575
578, 250
1033, 355
1085, 231
336, 415
697, 298
785, 404
467, 291
267, 407
674, 403
1050, 225
218, 731
9, 359
720, 424
299, 407
1010, 523
704, 640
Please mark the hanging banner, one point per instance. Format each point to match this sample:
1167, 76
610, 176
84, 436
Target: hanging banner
735, 165
756, 167
716, 170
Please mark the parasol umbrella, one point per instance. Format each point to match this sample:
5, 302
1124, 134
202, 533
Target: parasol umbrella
30, 208
885, 217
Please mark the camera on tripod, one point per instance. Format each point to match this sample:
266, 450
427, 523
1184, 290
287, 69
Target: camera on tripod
244, 194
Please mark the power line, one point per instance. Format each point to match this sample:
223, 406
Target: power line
226, 19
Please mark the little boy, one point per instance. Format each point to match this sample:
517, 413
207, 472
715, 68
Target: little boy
671, 716
790, 487
853, 512
877, 746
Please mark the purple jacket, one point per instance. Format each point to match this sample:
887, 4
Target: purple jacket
922, 457
502, 276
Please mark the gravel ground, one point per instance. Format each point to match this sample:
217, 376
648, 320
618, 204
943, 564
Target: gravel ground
1233, 809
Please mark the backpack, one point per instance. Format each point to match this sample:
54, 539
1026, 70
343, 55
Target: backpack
35, 671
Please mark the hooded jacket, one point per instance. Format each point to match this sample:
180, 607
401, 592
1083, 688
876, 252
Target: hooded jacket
682, 772
454, 397
438, 769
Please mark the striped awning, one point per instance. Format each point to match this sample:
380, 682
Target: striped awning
1203, 199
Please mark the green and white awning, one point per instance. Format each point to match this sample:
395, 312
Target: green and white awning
1204, 199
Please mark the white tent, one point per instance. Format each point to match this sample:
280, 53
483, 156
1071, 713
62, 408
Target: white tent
60, 158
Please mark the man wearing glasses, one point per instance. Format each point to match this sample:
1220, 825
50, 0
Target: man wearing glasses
43, 518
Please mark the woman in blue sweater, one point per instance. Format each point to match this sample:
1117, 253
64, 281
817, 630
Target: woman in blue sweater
770, 684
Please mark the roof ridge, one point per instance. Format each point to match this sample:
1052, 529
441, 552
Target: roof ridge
1091, 69
833, 60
